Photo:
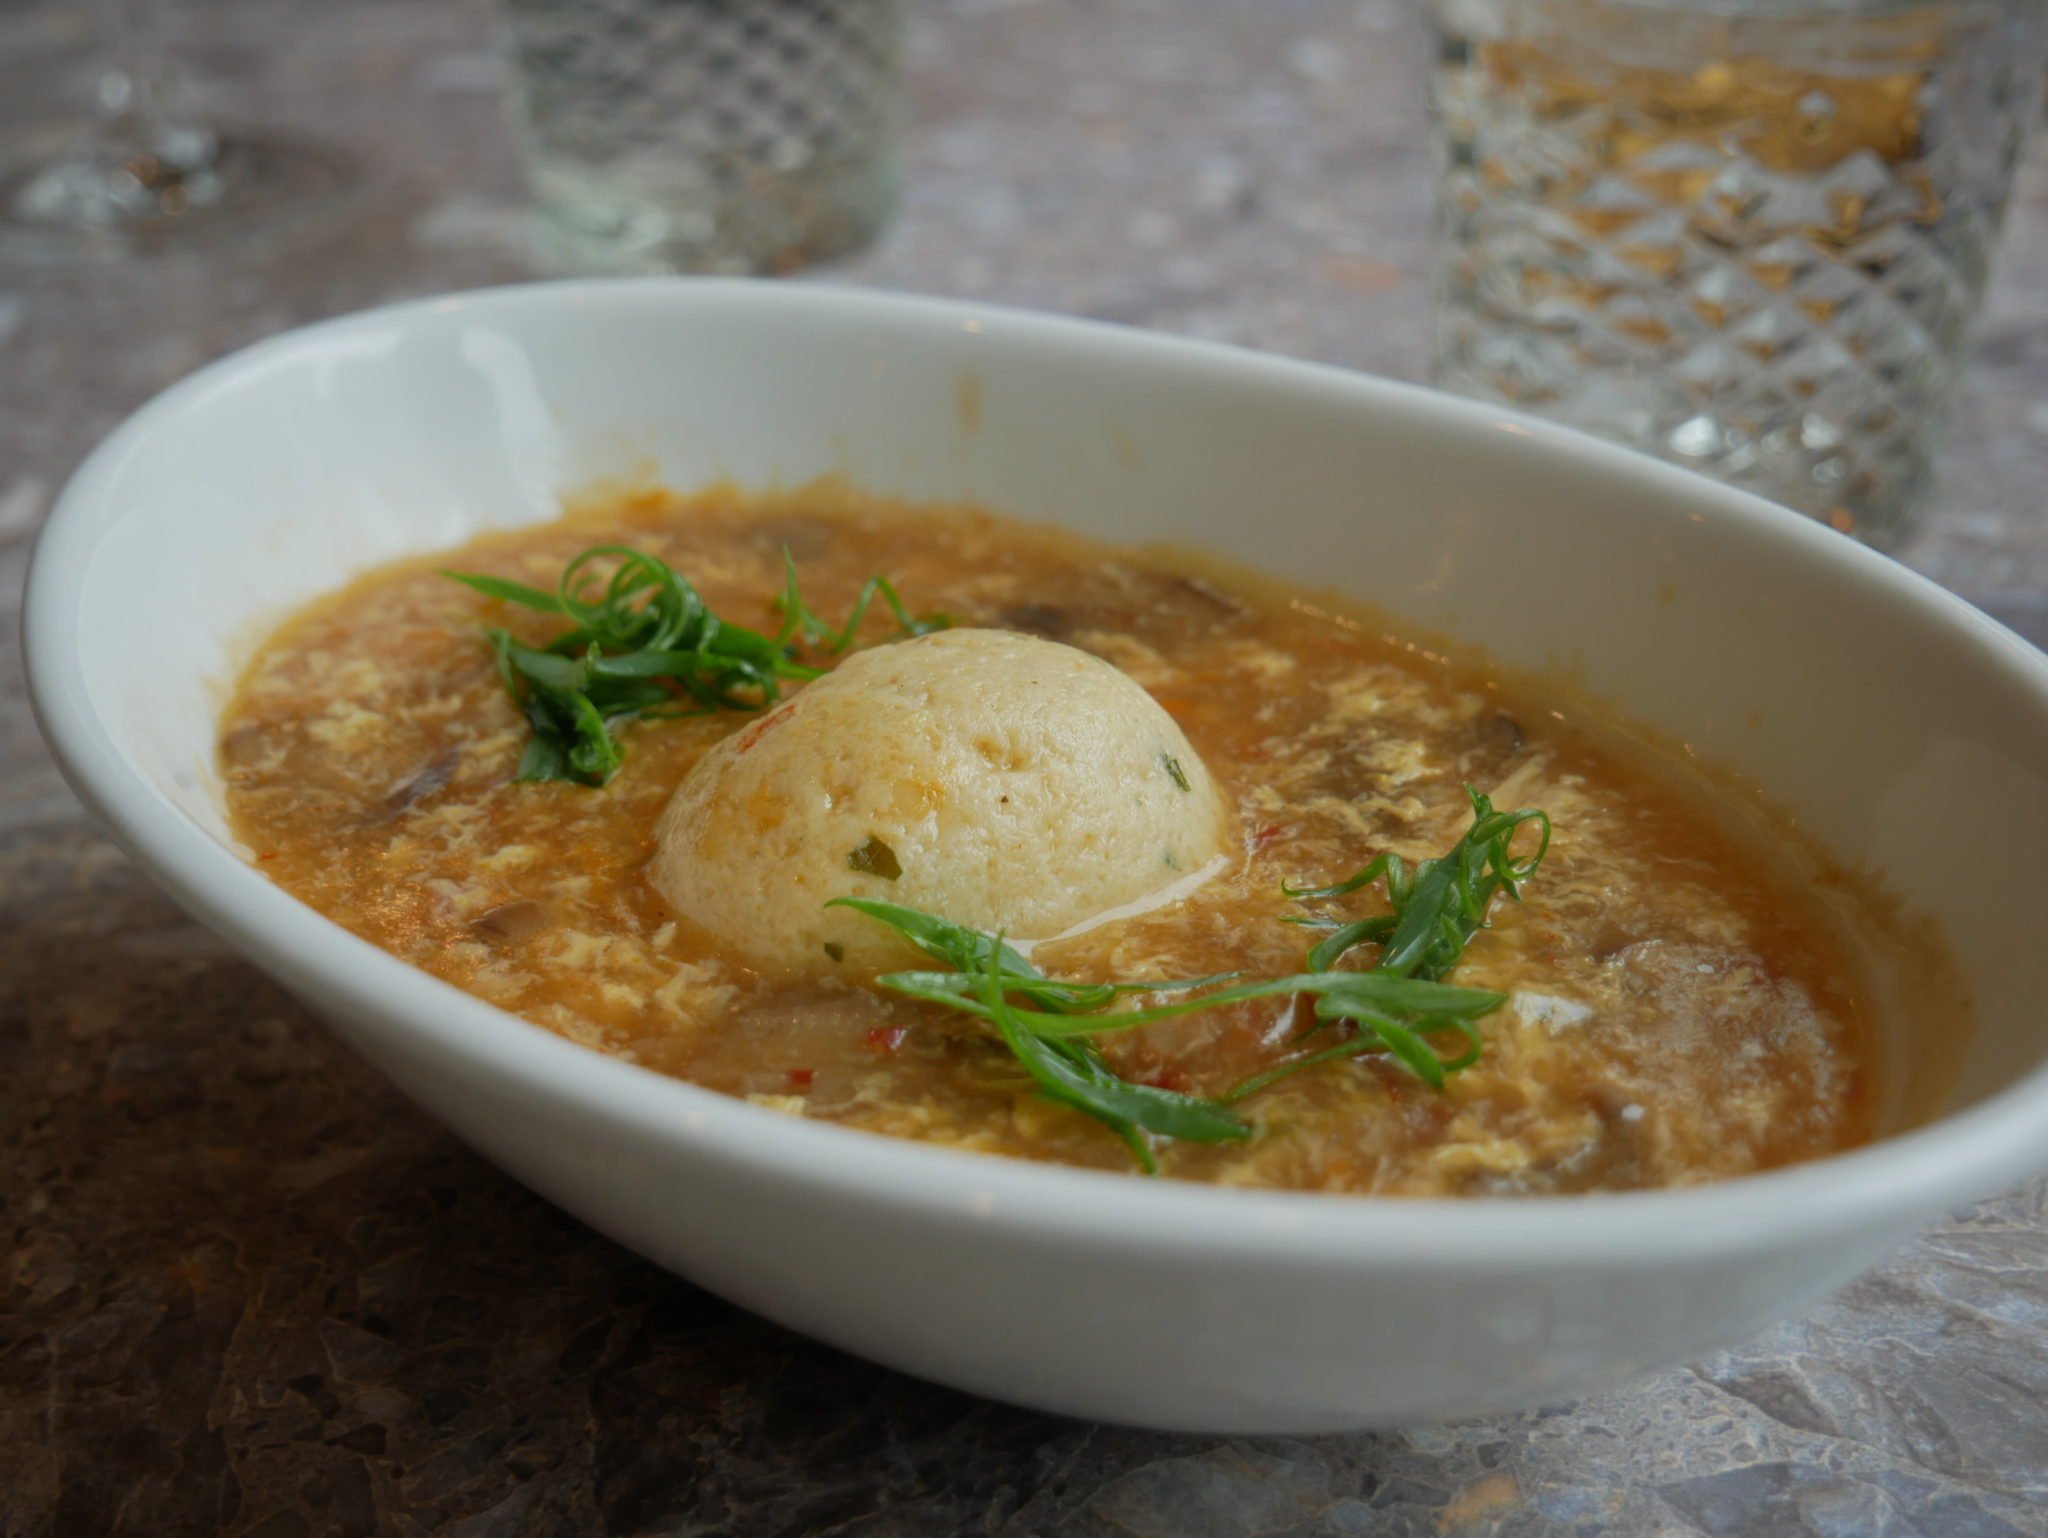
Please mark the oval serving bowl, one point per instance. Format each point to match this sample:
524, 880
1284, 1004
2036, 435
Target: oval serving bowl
1900, 728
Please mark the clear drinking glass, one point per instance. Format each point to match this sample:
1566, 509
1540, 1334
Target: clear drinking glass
1746, 235
705, 135
148, 177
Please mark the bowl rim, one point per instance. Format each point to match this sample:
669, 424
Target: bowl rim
1893, 1183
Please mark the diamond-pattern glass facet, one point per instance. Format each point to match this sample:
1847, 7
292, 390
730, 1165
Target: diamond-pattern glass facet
733, 135
1742, 234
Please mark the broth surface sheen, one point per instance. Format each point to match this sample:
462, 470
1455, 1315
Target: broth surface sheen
1681, 1007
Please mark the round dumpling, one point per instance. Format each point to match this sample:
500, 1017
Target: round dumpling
997, 780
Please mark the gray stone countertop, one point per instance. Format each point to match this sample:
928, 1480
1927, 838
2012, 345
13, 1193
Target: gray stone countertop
246, 1289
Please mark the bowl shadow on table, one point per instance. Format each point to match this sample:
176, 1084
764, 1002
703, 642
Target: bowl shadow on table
265, 1295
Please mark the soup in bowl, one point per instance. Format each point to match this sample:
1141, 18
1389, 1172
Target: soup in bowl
1469, 865
1272, 896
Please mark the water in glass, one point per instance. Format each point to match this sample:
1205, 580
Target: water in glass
719, 135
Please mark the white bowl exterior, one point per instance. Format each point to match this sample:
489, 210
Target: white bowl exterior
1902, 729
1217, 1332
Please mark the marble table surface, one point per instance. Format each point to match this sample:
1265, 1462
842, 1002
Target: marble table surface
245, 1289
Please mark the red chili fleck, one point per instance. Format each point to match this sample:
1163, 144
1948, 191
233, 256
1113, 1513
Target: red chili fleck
268, 854
1267, 834
760, 729
801, 1077
1169, 1077
887, 1038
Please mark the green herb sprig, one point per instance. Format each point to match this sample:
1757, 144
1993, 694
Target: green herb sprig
643, 644
798, 620
988, 974
1440, 905
1047, 1023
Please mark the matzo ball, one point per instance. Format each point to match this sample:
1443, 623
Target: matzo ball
998, 780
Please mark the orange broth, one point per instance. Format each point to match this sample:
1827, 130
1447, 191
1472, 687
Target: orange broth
1682, 1007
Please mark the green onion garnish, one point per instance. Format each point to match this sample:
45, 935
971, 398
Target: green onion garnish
643, 645
798, 620
1441, 905
1047, 1023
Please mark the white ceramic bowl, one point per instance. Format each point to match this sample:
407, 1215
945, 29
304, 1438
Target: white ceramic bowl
1904, 730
